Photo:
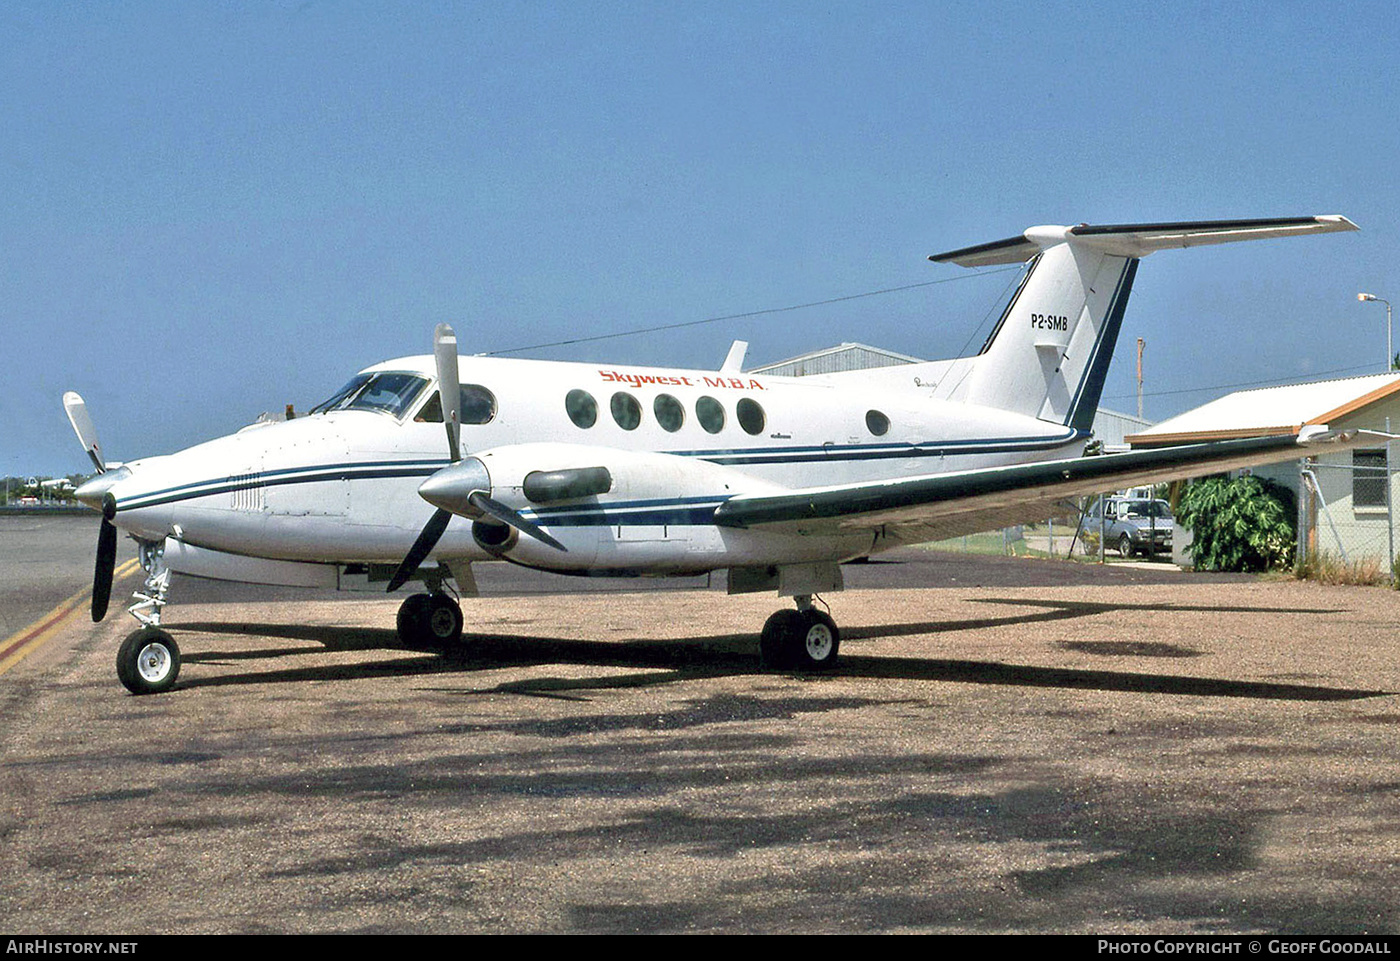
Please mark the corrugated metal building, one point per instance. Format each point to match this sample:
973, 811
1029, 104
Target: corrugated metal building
833, 360
1111, 427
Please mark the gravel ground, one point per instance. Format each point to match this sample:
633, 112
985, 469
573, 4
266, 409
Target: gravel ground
1182, 756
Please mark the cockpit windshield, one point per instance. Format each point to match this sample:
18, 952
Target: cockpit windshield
391, 392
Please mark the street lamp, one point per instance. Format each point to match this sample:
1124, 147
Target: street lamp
1389, 350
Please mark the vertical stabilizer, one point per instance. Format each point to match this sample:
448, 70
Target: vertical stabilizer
1049, 354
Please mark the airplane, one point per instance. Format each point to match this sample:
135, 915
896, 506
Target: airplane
597, 469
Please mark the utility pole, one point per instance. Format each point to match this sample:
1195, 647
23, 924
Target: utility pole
1141, 344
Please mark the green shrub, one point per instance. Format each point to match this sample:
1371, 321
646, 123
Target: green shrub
1245, 524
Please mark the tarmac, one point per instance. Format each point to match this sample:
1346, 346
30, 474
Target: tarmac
1008, 746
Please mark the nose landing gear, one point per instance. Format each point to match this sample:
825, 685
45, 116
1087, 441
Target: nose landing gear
148, 662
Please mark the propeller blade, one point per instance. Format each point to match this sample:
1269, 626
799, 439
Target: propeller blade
78, 416
449, 387
106, 564
421, 548
502, 513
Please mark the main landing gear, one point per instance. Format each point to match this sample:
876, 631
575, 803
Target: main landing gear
430, 621
805, 639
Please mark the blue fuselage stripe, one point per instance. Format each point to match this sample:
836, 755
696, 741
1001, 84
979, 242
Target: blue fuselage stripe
379, 470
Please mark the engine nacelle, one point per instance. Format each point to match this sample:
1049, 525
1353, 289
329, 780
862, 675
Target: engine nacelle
612, 509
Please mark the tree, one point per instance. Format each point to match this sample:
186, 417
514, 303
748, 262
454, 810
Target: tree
1245, 524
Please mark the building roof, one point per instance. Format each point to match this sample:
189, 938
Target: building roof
1109, 426
1270, 411
841, 357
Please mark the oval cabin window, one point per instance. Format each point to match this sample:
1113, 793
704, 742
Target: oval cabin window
626, 411
582, 408
750, 415
710, 413
669, 412
877, 423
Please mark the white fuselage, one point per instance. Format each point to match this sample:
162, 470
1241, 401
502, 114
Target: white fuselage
341, 486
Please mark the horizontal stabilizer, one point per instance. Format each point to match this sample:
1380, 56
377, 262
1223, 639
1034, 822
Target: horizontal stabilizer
1139, 240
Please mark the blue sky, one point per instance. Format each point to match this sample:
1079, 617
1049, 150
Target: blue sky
215, 209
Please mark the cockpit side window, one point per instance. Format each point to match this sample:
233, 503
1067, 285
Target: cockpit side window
478, 406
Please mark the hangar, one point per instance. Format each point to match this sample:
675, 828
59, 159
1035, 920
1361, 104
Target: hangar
1110, 427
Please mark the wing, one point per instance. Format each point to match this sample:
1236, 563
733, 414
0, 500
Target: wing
935, 507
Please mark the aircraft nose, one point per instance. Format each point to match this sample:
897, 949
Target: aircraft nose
92, 491
451, 488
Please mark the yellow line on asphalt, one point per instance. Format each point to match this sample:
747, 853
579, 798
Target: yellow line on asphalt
27, 640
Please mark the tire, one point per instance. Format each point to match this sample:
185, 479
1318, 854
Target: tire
1125, 546
818, 643
806, 640
148, 662
443, 623
412, 621
778, 642
429, 621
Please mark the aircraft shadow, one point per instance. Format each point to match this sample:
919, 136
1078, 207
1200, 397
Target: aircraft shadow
667, 661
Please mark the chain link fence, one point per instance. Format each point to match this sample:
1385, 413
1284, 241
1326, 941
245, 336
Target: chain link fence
1074, 533
1345, 514
1345, 511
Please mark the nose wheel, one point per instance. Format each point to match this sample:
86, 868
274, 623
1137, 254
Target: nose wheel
806, 639
148, 662
428, 621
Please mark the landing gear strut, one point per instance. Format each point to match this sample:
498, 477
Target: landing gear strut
806, 638
148, 662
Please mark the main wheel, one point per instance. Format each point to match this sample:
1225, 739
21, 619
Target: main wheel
429, 621
148, 661
444, 621
412, 620
807, 640
819, 641
1125, 546
778, 643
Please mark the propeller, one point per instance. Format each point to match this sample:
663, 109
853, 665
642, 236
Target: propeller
421, 548
445, 354
106, 559
445, 358
76, 408
94, 493
493, 508
469, 483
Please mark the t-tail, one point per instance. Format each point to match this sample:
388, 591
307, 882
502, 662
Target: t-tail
1049, 353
